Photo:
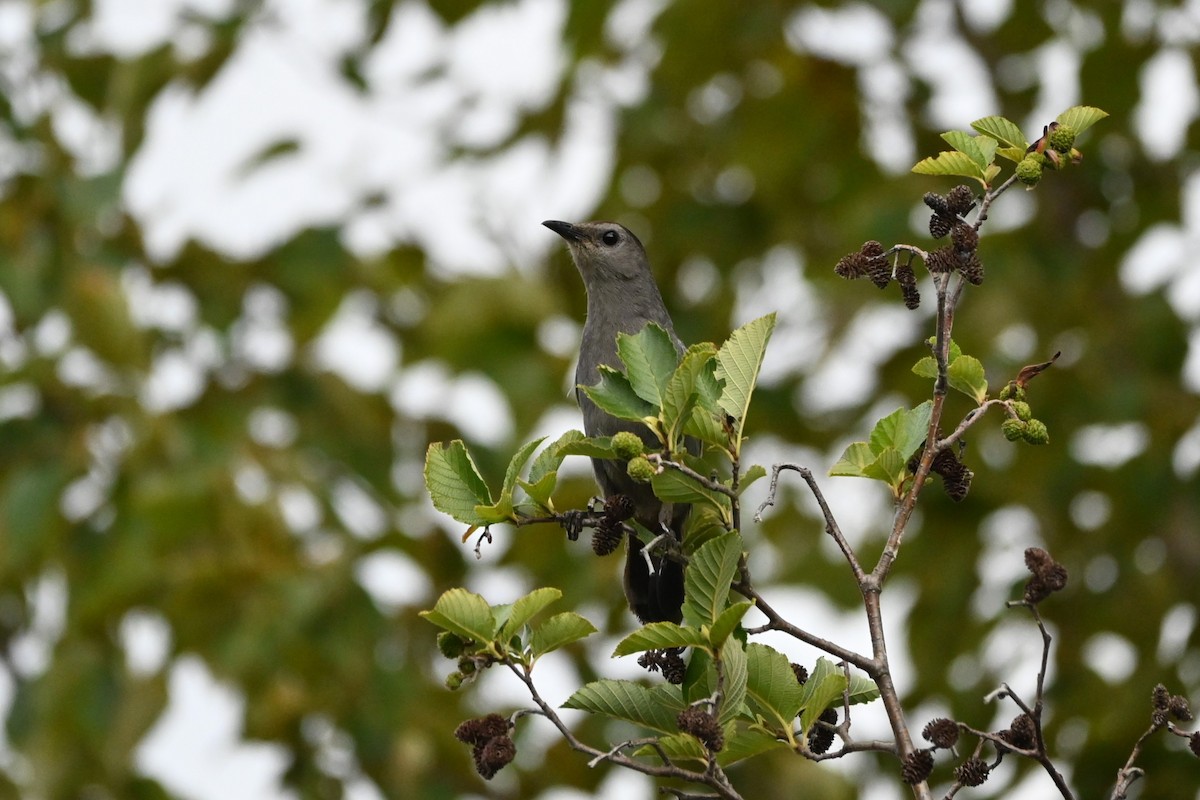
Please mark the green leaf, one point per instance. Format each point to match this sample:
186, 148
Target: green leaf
854, 461
673, 486
516, 464
558, 631
1003, 130
862, 689
926, 367
678, 747
738, 363
693, 385
649, 357
746, 743
825, 686
499, 511
727, 622
966, 375
889, 466
592, 447
1081, 117
464, 613
523, 609
950, 162
741, 743
541, 491
454, 482
543, 474
736, 669
902, 430
704, 524
615, 395
966, 144
706, 426
550, 459
706, 581
751, 475
771, 686
987, 146
989, 174
1012, 153
655, 708
658, 636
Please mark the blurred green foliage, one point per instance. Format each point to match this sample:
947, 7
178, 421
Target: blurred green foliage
139, 510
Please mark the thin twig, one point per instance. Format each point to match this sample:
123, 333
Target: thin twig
831, 526
707, 483
714, 779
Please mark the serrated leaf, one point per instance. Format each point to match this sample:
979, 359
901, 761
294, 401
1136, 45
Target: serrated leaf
523, 609
862, 689
950, 162
655, 708
549, 460
615, 395
739, 362
755, 473
658, 636
736, 671
454, 482
771, 685
989, 174
965, 143
889, 466
1003, 130
541, 491
926, 367
746, 743
706, 426
826, 685
678, 747
706, 581
558, 631
516, 464
500, 511
1081, 117
673, 486
854, 461
727, 622
693, 385
987, 146
703, 524
649, 357
592, 447
966, 375
463, 613
1015, 154
903, 430
741, 743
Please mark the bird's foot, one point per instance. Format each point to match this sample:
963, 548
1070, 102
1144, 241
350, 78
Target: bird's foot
665, 545
572, 522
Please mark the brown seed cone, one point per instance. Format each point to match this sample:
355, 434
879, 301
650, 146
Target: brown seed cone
917, 766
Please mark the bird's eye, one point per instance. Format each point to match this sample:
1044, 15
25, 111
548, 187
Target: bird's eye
610, 238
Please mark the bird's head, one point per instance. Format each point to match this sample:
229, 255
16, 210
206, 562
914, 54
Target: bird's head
604, 252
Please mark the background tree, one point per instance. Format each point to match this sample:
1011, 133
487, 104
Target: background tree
191, 448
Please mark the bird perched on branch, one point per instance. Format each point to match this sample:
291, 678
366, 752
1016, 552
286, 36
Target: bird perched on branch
622, 297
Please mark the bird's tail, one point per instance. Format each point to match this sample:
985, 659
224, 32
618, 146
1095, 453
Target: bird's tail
654, 589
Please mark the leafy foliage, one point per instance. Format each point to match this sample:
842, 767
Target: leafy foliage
183, 516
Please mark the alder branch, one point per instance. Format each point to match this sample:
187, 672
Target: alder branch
714, 778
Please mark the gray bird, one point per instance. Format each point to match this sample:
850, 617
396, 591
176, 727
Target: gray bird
622, 297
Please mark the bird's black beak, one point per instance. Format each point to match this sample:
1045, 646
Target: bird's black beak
564, 229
